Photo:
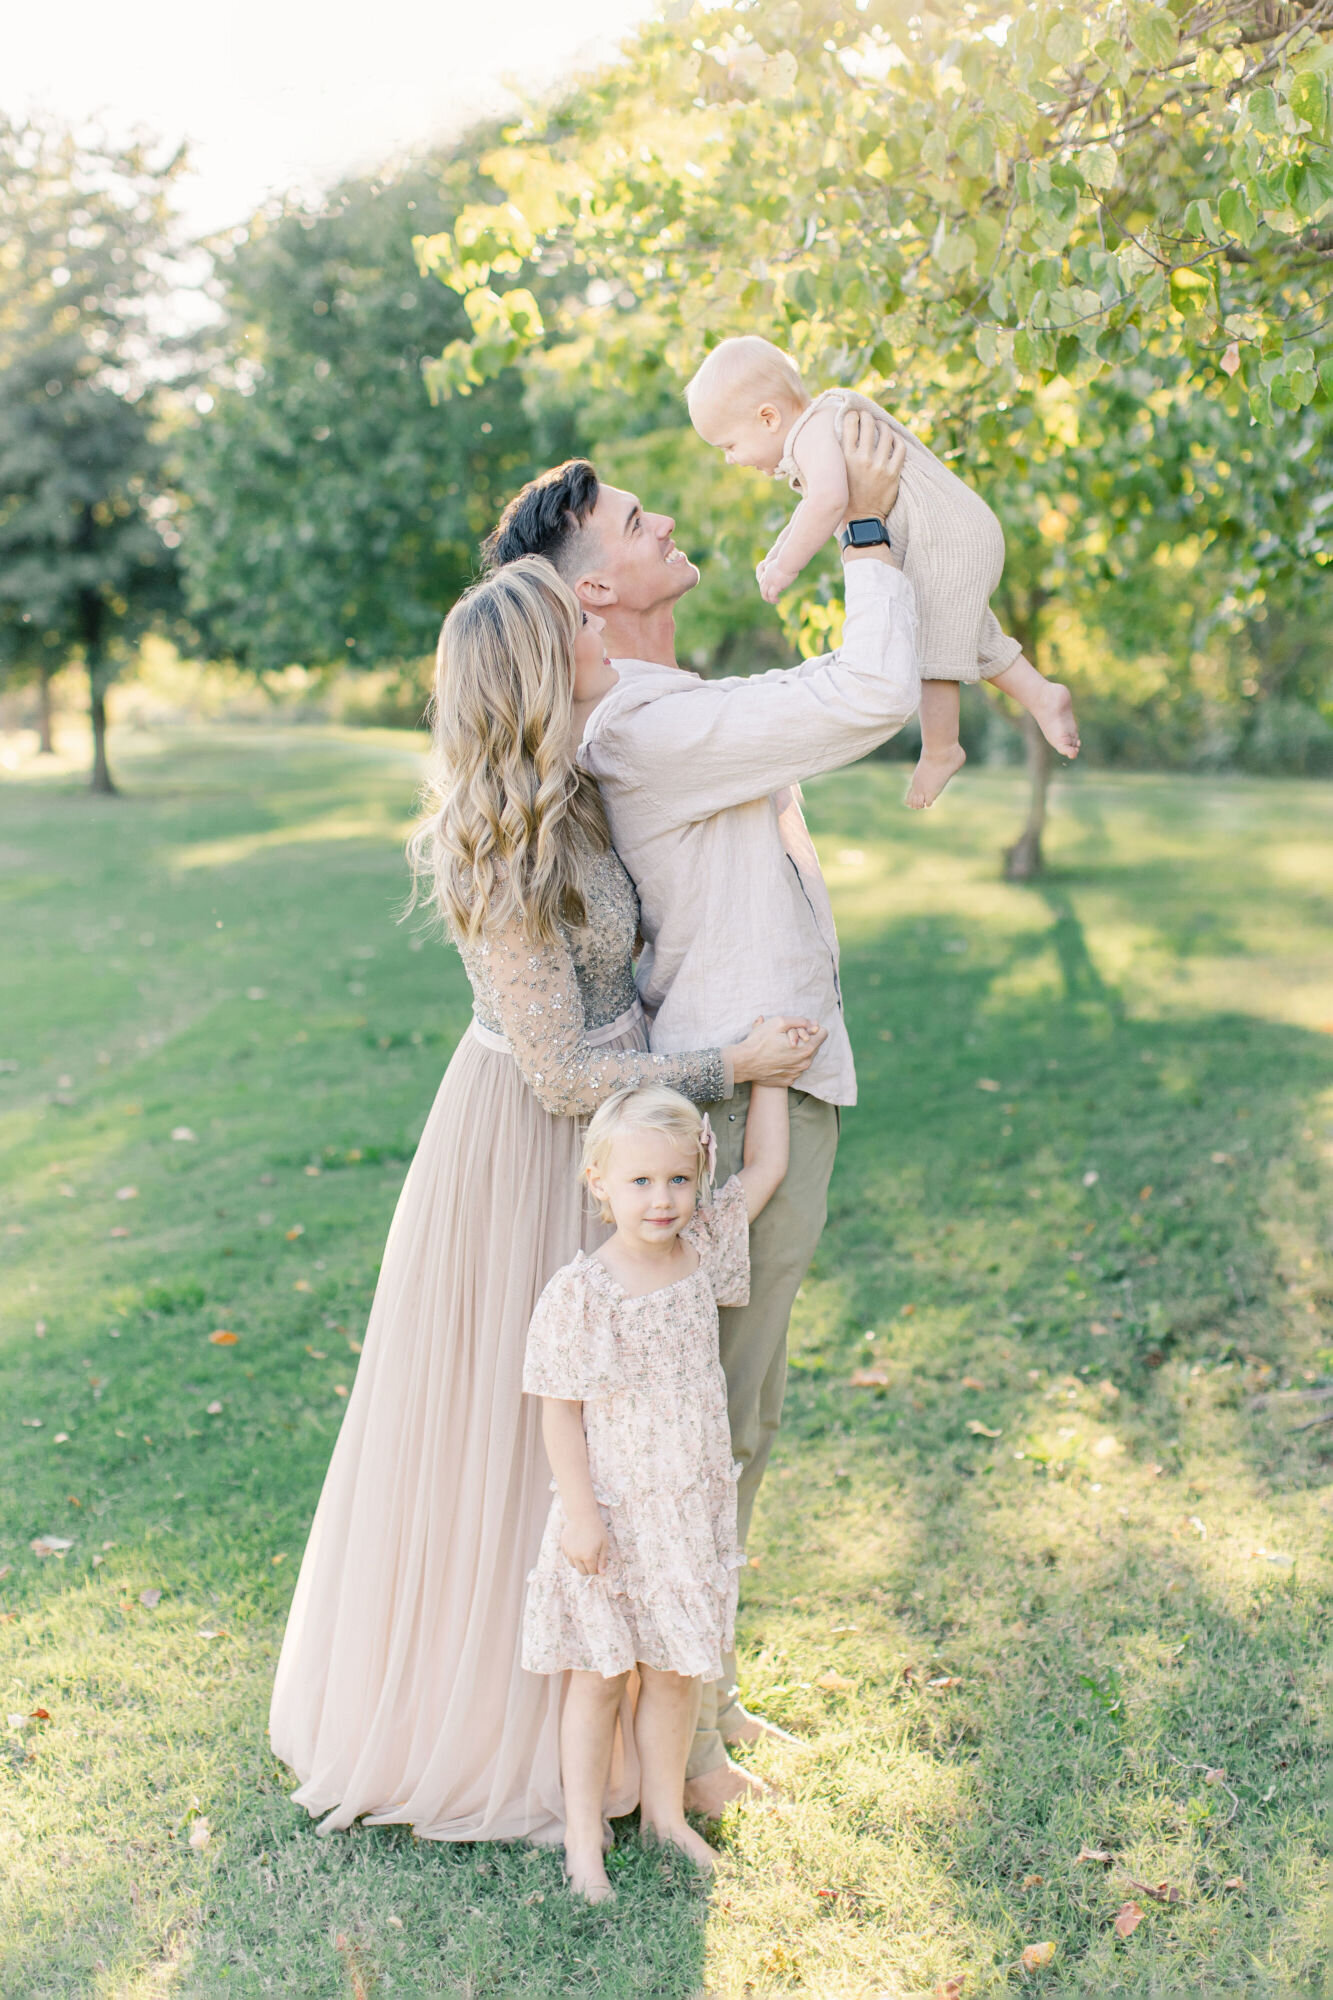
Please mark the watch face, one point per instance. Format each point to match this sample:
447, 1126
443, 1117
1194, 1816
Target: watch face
865, 534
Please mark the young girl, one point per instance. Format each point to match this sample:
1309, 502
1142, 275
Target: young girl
749, 401
637, 1567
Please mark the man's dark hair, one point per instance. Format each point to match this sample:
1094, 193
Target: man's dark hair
548, 518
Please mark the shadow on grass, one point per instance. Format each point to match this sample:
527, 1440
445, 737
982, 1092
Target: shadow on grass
1061, 1243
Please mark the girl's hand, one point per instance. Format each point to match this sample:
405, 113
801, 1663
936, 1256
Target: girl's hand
778, 1050
584, 1542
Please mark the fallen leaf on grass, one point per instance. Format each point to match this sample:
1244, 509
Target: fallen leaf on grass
1034, 1956
1165, 1892
200, 1834
301, 1285
950, 1989
4, 1570
978, 1429
223, 1338
971, 1382
214, 1410
120, 1232
1234, 1882
280, 1558
150, 1599
61, 1437
184, 1135
127, 1194
868, 1378
50, 1545
1217, 1777
834, 1683
396, 1923
1033, 1881
1093, 1854
32, 1423
340, 1388
1129, 1919
988, 1083
946, 1681
1098, 1328
39, 1714
317, 1354
299, 1230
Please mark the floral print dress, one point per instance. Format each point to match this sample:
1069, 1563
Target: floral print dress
659, 1451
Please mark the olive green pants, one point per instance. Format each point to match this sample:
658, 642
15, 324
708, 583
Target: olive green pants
753, 1338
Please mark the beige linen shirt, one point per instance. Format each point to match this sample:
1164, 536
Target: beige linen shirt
699, 780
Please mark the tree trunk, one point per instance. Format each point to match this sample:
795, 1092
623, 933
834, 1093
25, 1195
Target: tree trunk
101, 780
1024, 859
46, 740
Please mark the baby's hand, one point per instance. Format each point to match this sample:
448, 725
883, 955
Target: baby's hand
774, 579
584, 1542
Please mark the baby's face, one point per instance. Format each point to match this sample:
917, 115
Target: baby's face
649, 1183
746, 429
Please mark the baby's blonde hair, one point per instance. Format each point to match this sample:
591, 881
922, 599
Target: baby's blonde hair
746, 364
651, 1107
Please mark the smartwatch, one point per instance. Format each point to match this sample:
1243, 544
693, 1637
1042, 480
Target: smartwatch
865, 534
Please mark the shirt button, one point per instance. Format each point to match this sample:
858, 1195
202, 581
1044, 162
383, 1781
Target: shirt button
731, 1118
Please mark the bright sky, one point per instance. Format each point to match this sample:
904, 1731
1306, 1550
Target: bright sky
275, 94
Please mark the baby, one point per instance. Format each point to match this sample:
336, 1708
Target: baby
749, 401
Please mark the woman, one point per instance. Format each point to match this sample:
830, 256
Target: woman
399, 1693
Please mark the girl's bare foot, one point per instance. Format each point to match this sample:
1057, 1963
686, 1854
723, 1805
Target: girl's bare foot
933, 773
1053, 713
587, 1877
680, 1834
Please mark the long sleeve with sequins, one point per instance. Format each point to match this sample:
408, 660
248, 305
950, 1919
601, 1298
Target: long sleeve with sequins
531, 991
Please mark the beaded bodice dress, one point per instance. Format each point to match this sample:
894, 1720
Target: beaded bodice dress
546, 1000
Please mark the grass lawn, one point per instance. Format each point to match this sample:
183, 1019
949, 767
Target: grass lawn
1042, 1558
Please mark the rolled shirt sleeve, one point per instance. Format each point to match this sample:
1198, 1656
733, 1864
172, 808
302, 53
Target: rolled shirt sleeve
716, 744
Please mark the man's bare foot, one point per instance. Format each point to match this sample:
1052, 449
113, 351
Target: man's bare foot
679, 1834
587, 1877
1053, 713
932, 774
708, 1794
755, 1729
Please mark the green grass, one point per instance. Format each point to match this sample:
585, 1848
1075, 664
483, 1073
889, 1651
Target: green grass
1000, 1648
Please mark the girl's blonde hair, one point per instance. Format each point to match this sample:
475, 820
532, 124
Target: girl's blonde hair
511, 822
652, 1107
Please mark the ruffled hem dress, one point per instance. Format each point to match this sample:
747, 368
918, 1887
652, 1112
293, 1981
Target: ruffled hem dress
654, 1398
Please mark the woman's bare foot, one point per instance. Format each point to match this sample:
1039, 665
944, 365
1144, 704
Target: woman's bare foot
1053, 712
933, 773
680, 1834
587, 1877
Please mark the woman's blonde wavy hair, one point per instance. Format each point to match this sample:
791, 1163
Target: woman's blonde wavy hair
510, 822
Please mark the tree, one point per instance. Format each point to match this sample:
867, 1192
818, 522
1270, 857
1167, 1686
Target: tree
86, 536
334, 514
977, 212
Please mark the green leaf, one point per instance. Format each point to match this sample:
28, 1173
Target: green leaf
1064, 42
1310, 96
1154, 34
955, 250
1190, 290
1262, 108
1099, 166
1237, 217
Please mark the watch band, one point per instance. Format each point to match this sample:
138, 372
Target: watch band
865, 533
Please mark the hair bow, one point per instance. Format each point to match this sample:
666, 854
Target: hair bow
708, 1147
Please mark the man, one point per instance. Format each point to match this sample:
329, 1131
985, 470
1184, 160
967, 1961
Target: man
699, 781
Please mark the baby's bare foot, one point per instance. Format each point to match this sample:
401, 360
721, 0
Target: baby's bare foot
1053, 714
587, 1877
679, 1833
933, 773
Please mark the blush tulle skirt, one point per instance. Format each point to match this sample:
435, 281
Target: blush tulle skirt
400, 1695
